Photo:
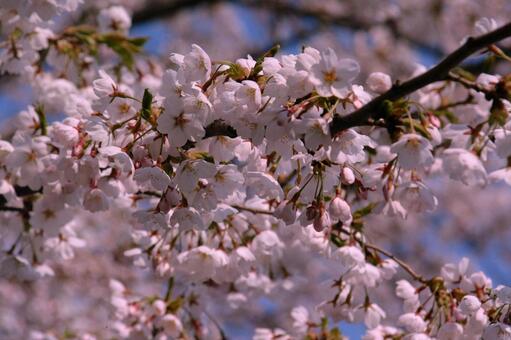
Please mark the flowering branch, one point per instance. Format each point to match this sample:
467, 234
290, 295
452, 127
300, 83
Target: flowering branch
374, 109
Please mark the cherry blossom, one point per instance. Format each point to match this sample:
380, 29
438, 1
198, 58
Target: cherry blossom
177, 197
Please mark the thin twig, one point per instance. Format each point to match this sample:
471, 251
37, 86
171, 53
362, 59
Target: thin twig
402, 264
252, 210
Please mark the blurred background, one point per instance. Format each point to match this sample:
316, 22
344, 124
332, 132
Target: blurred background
391, 36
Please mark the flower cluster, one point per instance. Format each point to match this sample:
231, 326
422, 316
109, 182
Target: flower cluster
233, 183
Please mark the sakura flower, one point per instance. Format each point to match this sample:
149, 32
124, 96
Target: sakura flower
380, 332
476, 323
300, 317
221, 148
485, 25
104, 86
267, 243
391, 208
95, 200
187, 219
412, 322
269, 334
450, 331
236, 300
502, 175
373, 315
66, 133
227, 180
27, 159
503, 293
180, 127
388, 268
157, 178
50, 213
5, 149
453, 272
114, 18
64, 243
405, 290
475, 282
195, 66
171, 324
497, 331
464, 166
503, 142
264, 185
348, 146
349, 255
469, 304
286, 212
189, 172
331, 76
248, 96
364, 273
202, 263
414, 152
315, 129
416, 197
379, 82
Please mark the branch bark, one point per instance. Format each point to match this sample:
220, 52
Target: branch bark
374, 110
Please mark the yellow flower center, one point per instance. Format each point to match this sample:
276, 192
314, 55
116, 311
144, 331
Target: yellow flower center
329, 76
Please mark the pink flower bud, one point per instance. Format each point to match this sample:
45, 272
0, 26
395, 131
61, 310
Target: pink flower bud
347, 176
340, 210
322, 221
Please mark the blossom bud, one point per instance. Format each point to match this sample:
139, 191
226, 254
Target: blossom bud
347, 176
340, 210
379, 82
322, 221
159, 307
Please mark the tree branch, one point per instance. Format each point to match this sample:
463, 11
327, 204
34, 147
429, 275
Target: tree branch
374, 110
402, 264
166, 9
170, 8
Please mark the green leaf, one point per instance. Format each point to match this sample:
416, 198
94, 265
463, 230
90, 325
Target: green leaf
236, 72
147, 101
43, 125
123, 46
258, 67
337, 240
363, 211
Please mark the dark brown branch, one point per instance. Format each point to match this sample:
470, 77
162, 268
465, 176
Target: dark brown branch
167, 9
170, 8
6, 208
374, 109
